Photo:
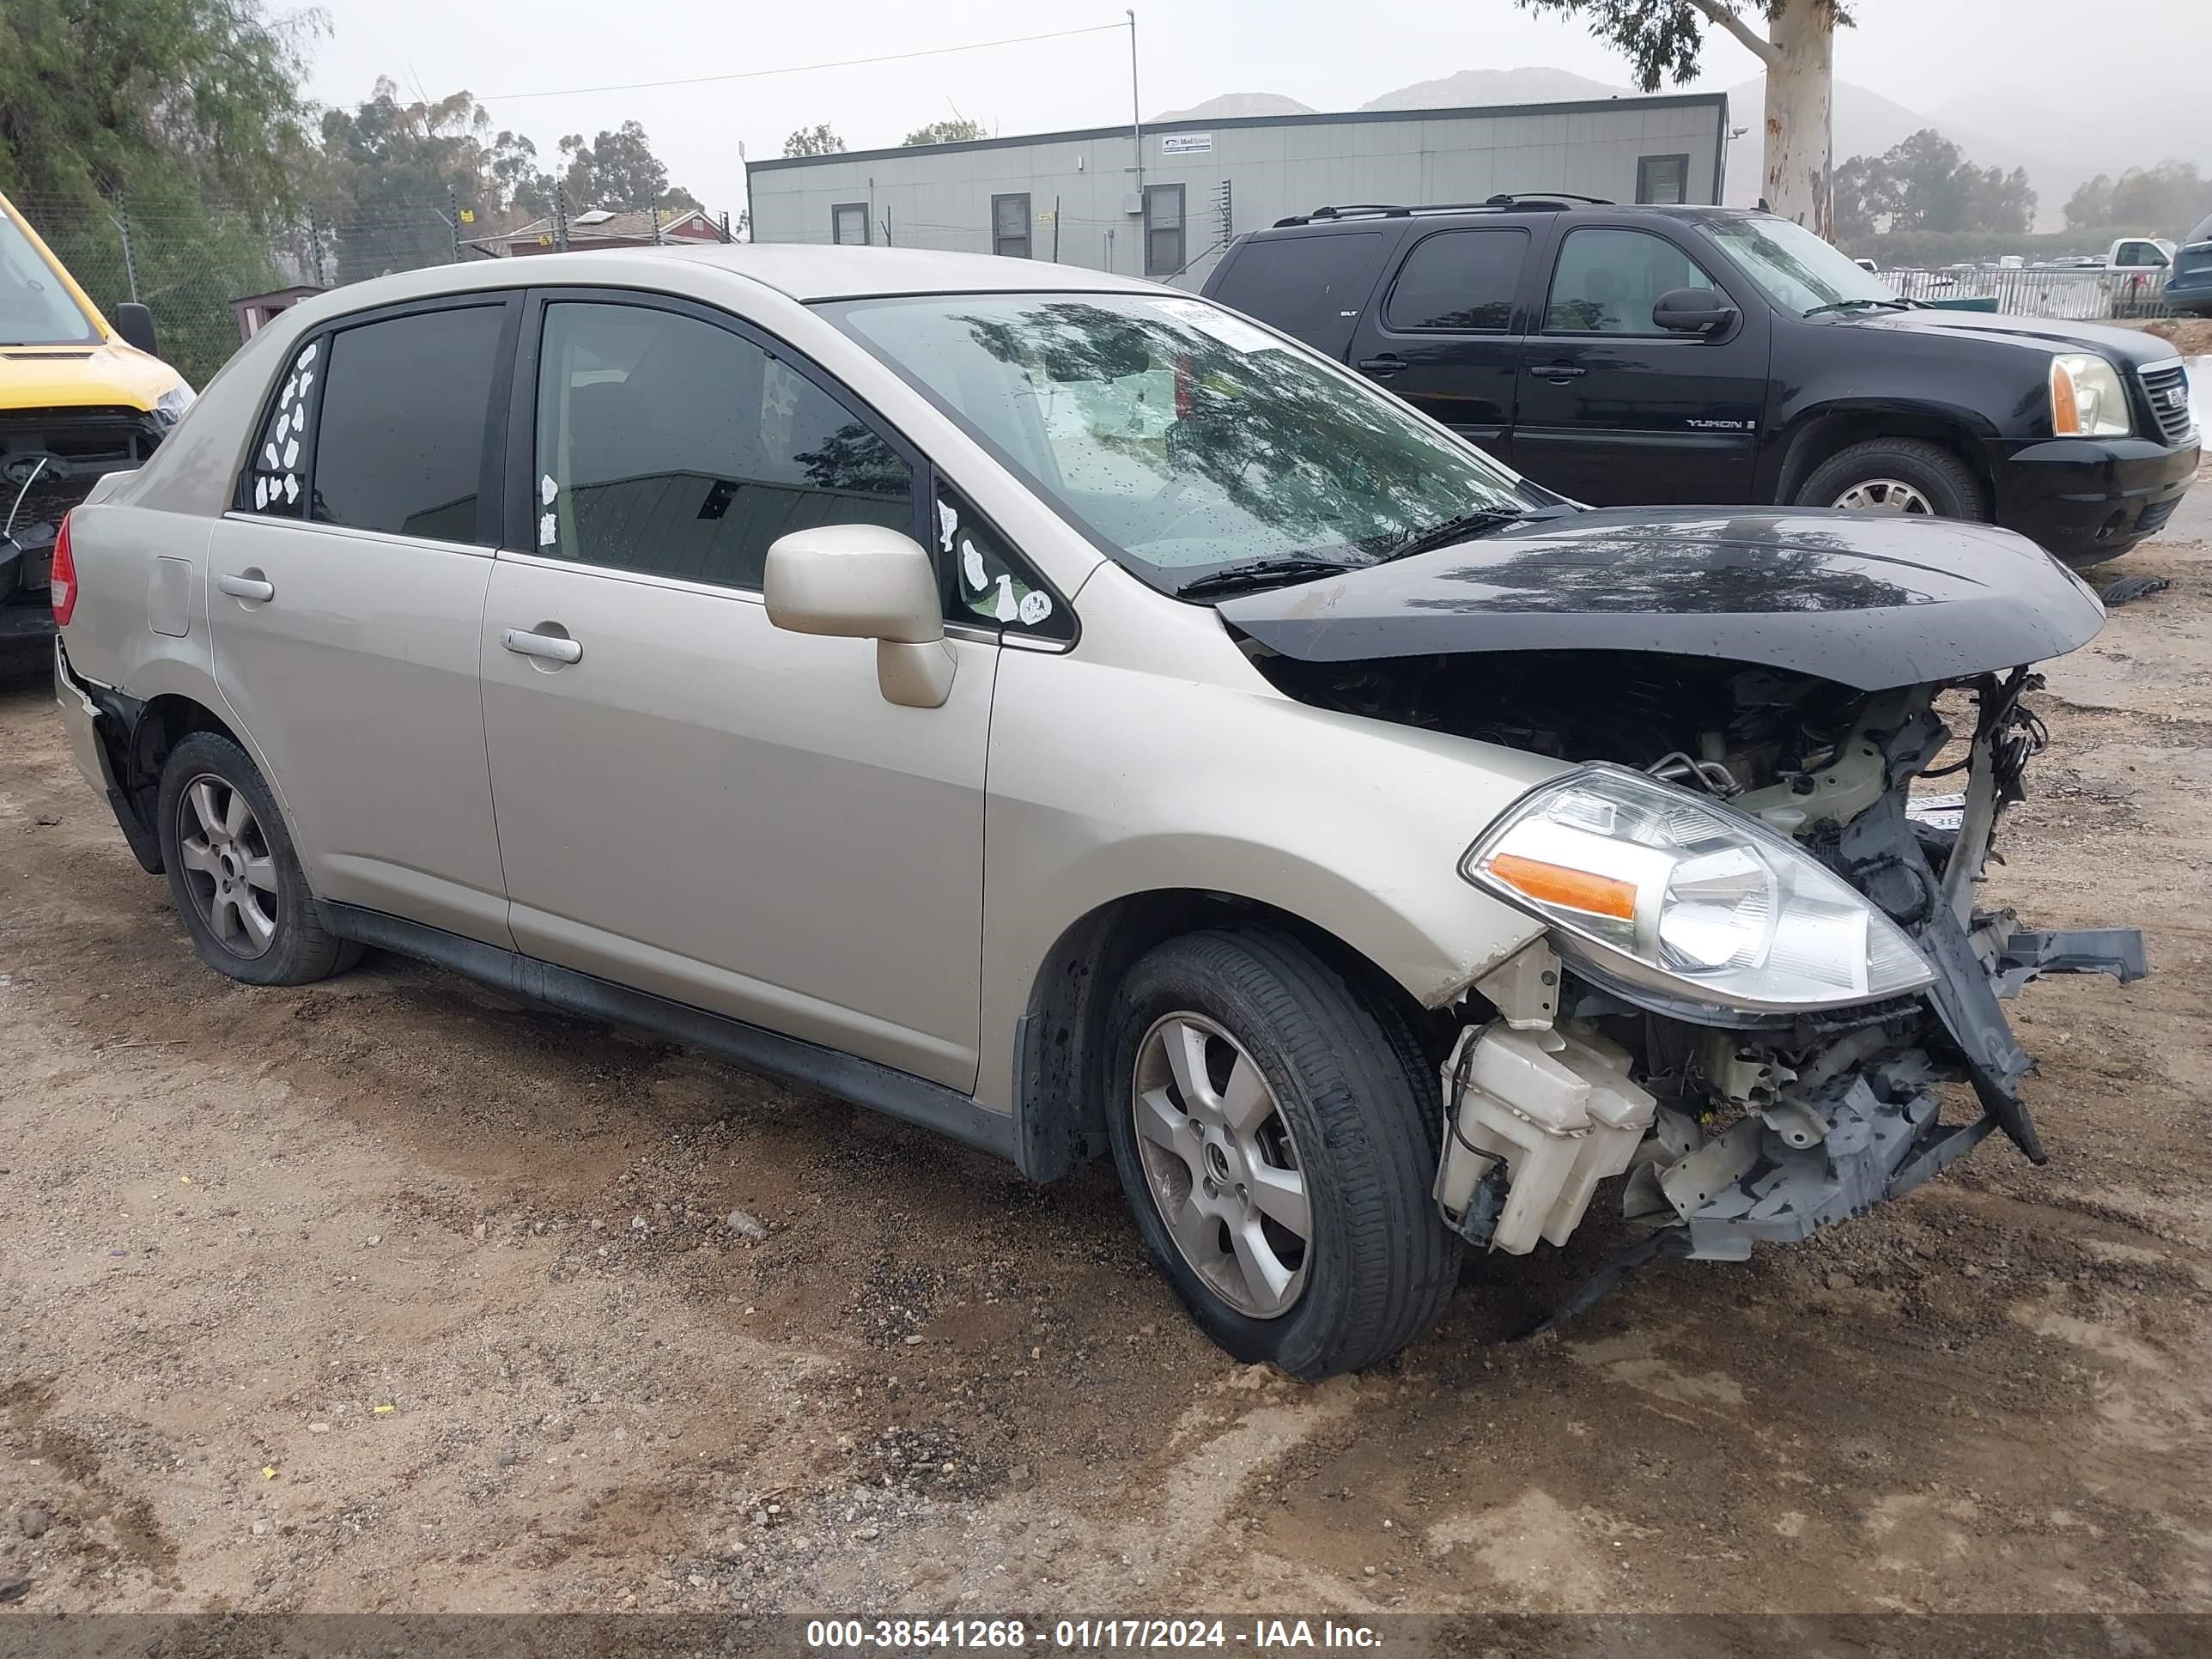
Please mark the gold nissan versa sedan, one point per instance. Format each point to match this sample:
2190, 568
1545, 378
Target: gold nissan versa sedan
1060, 712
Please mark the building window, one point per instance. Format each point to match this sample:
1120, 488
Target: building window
1662, 180
1162, 230
1010, 225
848, 224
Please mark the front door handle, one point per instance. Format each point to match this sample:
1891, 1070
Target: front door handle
248, 583
1388, 363
553, 648
1560, 372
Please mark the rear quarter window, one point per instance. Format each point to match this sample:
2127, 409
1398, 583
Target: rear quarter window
1304, 284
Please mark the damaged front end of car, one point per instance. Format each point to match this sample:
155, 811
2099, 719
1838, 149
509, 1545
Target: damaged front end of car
1764, 953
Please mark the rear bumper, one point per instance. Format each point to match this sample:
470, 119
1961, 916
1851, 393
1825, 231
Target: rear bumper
2190, 292
98, 721
80, 720
2089, 499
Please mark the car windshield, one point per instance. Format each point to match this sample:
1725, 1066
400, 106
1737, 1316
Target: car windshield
1798, 271
35, 308
2203, 231
1181, 438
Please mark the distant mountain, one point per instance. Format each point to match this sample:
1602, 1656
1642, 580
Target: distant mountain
1231, 105
1472, 89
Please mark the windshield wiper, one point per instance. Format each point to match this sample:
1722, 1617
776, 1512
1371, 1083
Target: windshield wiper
1846, 305
1258, 572
1462, 525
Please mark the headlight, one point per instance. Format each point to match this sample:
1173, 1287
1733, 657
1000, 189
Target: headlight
2087, 398
1670, 889
169, 408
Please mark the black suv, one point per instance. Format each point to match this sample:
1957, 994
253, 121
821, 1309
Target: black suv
1623, 356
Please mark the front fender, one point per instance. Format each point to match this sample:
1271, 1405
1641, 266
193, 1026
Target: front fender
1107, 782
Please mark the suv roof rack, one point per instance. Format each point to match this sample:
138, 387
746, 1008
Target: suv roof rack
1528, 201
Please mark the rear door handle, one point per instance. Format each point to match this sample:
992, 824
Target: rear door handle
248, 585
1560, 371
1388, 363
553, 648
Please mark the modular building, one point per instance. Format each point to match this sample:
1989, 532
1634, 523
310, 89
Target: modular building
1163, 200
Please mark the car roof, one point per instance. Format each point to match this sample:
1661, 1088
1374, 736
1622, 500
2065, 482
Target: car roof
1367, 215
800, 271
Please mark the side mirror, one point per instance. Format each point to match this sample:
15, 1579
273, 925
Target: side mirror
1692, 310
136, 325
861, 581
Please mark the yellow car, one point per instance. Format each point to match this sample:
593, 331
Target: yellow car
79, 398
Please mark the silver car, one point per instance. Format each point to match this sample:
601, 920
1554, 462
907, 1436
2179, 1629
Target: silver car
1062, 713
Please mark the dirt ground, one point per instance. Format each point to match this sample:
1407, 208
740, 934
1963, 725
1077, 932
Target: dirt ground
383, 1294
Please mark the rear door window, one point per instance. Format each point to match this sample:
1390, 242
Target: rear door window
1304, 285
400, 443
670, 445
1607, 281
1460, 281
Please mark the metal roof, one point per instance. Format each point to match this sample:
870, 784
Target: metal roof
1320, 117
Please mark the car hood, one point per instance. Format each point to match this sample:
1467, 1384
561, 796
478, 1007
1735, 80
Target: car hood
1866, 601
97, 374
2122, 345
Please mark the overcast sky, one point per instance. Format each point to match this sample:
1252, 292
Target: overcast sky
2066, 61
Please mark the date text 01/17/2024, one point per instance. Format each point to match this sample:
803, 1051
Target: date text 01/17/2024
1081, 1635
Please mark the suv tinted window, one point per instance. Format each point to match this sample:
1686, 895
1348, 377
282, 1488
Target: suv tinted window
1608, 281
1460, 280
400, 444
669, 445
1299, 283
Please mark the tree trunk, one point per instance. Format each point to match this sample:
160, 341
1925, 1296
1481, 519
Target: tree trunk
1799, 80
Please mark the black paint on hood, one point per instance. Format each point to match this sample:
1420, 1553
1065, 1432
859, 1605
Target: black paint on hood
1867, 600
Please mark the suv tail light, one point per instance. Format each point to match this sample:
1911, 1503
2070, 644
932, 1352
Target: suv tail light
63, 583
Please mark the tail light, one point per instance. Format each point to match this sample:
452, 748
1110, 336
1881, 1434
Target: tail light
63, 583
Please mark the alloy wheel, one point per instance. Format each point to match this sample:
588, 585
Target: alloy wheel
1885, 495
1224, 1169
227, 867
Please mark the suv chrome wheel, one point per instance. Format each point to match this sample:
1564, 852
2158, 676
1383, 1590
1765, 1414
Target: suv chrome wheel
1885, 495
1222, 1167
228, 868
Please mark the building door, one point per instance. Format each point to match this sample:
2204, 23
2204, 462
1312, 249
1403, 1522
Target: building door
1164, 230
1615, 411
1443, 338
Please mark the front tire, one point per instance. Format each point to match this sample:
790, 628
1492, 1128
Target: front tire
1277, 1137
1907, 475
232, 871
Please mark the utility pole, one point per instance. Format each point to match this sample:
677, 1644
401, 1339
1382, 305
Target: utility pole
315, 242
452, 216
1136, 138
121, 220
559, 216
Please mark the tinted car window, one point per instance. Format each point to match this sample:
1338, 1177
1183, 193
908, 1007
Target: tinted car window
1608, 281
1459, 280
1300, 283
400, 444
667, 444
986, 583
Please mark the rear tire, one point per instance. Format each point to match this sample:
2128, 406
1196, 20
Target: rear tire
1349, 1110
232, 871
1909, 475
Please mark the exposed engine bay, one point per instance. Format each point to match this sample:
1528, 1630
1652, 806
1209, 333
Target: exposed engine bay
1735, 1126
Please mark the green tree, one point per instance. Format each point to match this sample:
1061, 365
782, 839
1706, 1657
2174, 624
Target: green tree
958, 131
1664, 38
181, 119
154, 98
394, 170
2164, 200
618, 170
814, 141
1926, 183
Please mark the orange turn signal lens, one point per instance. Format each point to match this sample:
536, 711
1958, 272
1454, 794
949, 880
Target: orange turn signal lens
1572, 890
2065, 402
